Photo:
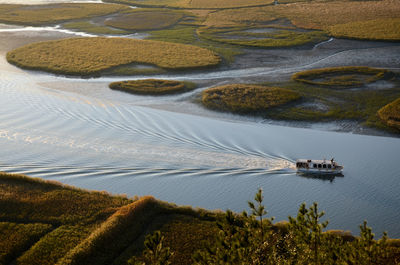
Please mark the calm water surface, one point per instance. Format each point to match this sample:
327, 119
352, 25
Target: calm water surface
192, 160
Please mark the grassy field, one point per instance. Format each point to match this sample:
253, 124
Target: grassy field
145, 19
342, 77
54, 13
391, 114
152, 86
206, 4
91, 56
241, 98
89, 27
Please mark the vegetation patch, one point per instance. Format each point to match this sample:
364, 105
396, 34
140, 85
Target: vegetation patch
391, 114
342, 77
91, 56
194, 3
16, 238
152, 86
187, 236
54, 245
352, 19
89, 27
54, 13
148, 19
241, 98
276, 37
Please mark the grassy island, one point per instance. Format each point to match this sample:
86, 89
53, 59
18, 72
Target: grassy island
145, 19
44, 222
242, 98
152, 86
342, 77
391, 114
54, 13
92, 56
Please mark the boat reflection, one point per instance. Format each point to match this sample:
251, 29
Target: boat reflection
327, 177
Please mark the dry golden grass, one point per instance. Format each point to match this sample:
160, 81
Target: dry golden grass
90, 56
391, 114
240, 17
378, 29
149, 19
243, 98
350, 19
152, 86
53, 13
195, 3
354, 19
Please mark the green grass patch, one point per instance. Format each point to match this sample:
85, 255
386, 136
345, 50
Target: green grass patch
54, 245
391, 114
147, 19
342, 77
89, 27
54, 13
16, 238
92, 56
152, 86
241, 98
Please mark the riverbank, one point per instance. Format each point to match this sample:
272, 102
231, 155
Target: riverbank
38, 228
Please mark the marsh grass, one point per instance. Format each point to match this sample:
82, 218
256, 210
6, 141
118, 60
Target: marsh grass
145, 19
241, 98
390, 114
375, 20
342, 77
360, 105
206, 4
92, 56
279, 38
153, 86
87, 26
16, 238
54, 13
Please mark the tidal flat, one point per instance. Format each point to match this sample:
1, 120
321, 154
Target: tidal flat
80, 132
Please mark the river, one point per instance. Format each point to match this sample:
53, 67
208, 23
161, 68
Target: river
79, 132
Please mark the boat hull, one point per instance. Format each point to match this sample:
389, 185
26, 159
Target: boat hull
320, 170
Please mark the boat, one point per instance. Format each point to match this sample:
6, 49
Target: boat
318, 166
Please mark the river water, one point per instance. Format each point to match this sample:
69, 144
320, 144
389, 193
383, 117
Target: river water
81, 133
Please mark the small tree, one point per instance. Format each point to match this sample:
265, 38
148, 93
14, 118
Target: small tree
154, 253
